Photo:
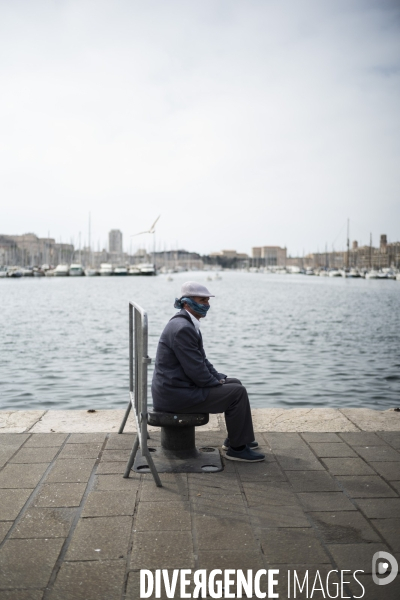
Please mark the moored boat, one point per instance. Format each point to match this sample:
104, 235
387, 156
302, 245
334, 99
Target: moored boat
147, 269
106, 269
76, 270
372, 274
61, 271
353, 273
15, 272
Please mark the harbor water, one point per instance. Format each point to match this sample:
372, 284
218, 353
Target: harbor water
293, 340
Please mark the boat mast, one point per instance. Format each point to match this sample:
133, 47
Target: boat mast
90, 248
370, 250
348, 244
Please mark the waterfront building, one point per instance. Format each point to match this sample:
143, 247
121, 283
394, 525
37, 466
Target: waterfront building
180, 260
229, 259
28, 250
115, 241
269, 256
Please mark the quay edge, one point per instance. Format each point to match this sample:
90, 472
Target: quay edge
296, 420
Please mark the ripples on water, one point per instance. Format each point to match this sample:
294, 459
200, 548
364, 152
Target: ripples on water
292, 340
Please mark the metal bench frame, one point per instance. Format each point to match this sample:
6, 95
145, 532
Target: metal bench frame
138, 363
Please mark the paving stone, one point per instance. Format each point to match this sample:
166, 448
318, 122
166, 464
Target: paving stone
390, 531
378, 453
175, 488
19, 421
392, 438
220, 482
120, 454
291, 545
222, 490
21, 594
9, 445
110, 503
274, 493
298, 463
162, 550
278, 516
355, 556
362, 438
73, 470
372, 591
312, 481
261, 471
292, 452
165, 516
117, 441
228, 466
111, 467
366, 486
13, 439
333, 450
34, 455
388, 470
6, 453
80, 451
4, 527
380, 508
320, 501
11, 502
87, 438
100, 538
347, 466
44, 523
224, 532
220, 506
117, 482
42, 440
89, 581
344, 527
230, 559
60, 494
28, 563
321, 437
396, 485
16, 475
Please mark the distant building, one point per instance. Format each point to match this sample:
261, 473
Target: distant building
171, 260
228, 259
29, 250
361, 257
269, 256
115, 241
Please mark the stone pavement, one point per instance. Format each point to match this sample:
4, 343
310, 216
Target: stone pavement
71, 528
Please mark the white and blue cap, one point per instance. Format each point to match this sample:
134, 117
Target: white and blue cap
192, 288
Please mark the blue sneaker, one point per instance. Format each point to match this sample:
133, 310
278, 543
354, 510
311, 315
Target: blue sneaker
226, 444
246, 455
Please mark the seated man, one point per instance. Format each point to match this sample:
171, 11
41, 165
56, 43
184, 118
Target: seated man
185, 381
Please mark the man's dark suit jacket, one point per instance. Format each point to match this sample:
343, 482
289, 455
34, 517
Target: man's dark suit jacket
182, 375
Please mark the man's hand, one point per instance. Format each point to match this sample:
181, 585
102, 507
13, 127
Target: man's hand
222, 380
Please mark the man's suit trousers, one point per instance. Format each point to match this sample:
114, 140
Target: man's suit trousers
230, 398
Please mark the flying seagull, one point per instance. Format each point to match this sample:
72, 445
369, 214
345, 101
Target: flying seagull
151, 230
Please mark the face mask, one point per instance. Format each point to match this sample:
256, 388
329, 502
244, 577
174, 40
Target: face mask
200, 309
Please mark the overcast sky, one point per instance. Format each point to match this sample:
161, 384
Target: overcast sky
241, 122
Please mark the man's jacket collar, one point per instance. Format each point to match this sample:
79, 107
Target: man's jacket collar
182, 313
